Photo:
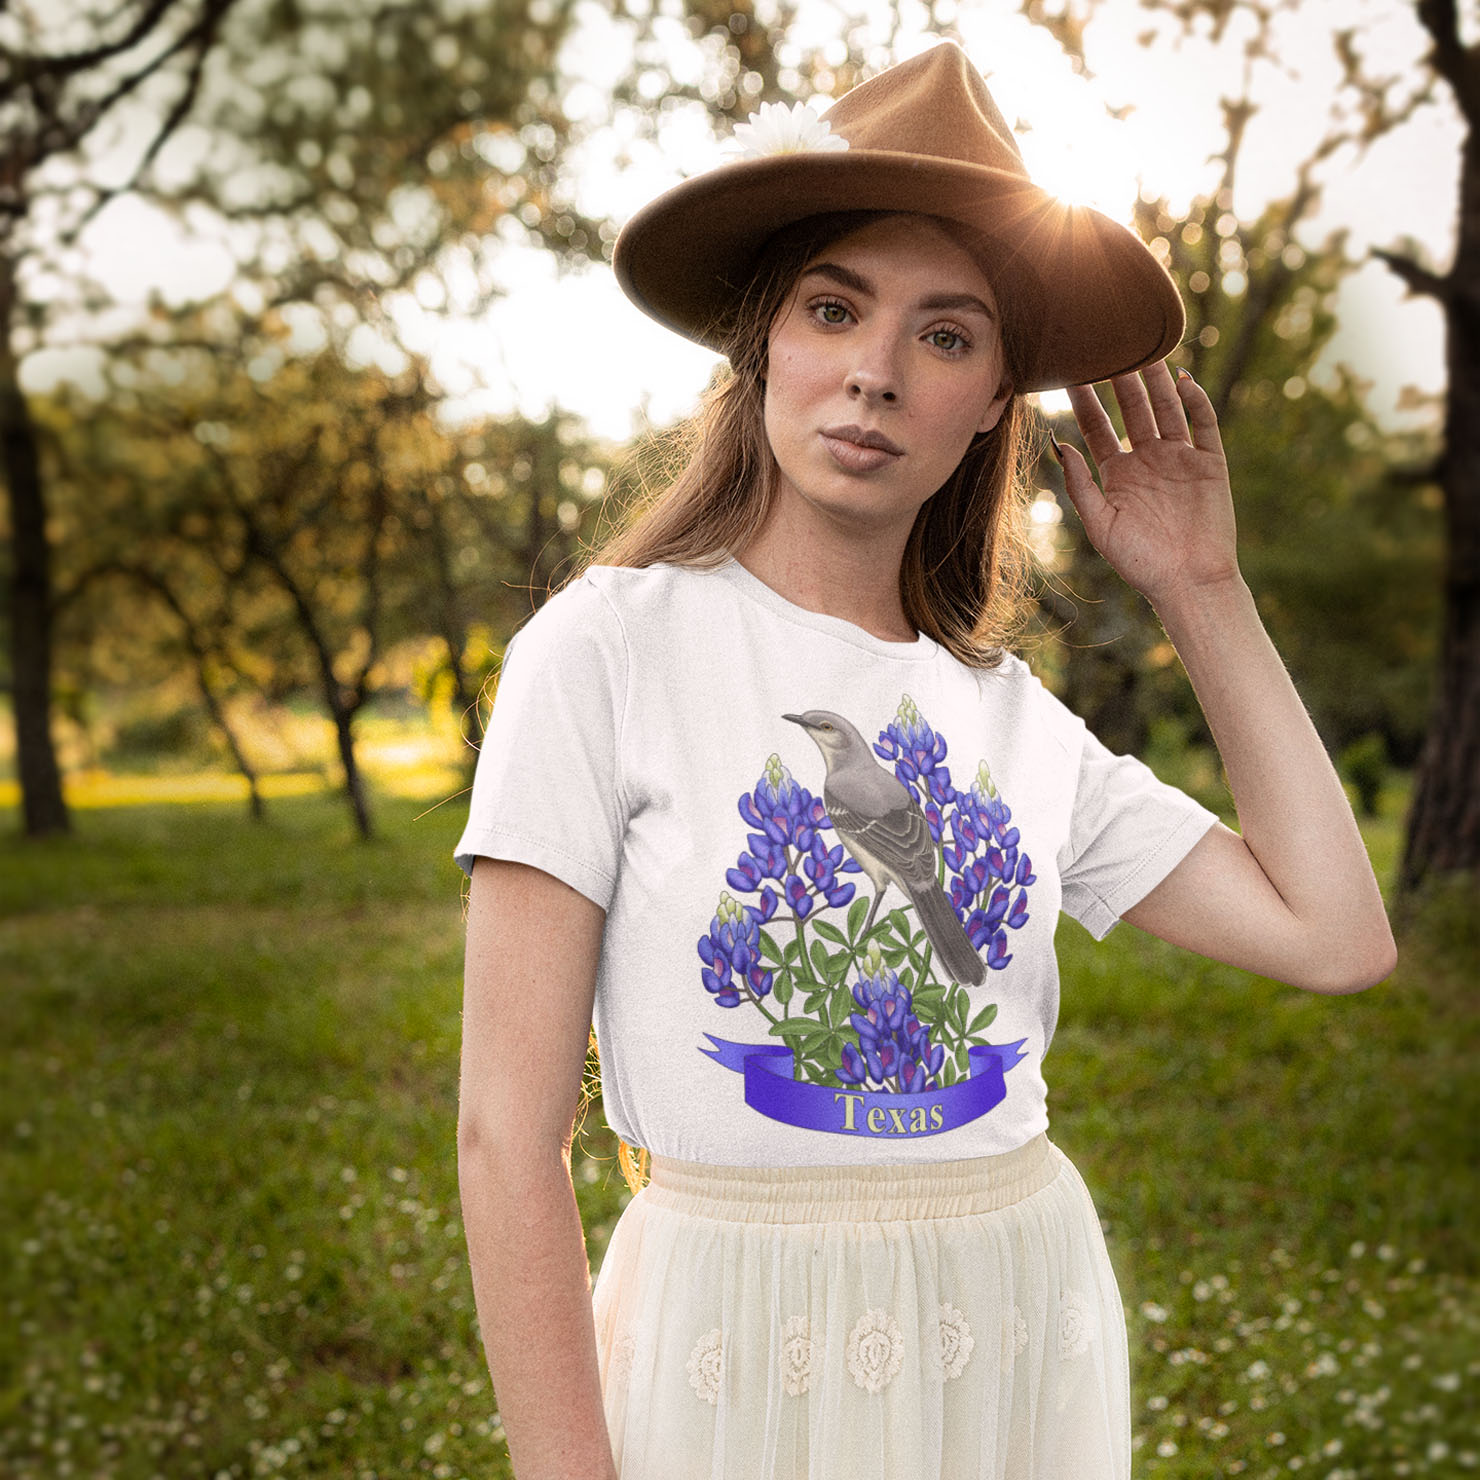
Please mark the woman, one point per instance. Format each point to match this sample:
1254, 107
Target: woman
763, 789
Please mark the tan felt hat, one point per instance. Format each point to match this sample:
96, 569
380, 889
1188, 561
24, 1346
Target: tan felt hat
1088, 298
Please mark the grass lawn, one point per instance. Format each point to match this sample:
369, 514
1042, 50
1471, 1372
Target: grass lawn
232, 1242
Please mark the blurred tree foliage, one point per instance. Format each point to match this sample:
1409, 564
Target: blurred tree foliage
294, 534
1340, 536
346, 152
251, 510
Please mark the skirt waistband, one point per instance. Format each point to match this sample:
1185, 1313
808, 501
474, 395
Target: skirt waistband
854, 1194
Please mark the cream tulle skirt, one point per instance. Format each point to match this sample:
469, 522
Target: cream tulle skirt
955, 1321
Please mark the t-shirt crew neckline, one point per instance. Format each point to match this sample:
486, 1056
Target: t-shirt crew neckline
922, 649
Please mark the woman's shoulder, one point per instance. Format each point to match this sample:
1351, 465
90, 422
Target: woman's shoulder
1017, 684
603, 605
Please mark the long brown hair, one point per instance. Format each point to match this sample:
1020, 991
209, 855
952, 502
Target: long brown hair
964, 575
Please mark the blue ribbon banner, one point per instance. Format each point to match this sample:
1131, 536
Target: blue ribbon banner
848, 1110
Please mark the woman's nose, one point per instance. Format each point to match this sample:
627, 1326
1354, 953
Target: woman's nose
875, 374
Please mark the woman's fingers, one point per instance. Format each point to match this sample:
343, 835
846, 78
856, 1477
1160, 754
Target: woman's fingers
1135, 408
1166, 404
1094, 423
1084, 493
1200, 415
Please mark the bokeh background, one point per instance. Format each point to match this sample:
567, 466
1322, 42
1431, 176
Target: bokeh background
314, 381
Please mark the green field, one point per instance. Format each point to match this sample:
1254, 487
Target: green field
232, 1243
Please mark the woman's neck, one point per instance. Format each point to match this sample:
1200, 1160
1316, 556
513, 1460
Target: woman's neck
855, 581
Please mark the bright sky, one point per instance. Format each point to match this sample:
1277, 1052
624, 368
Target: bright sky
574, 340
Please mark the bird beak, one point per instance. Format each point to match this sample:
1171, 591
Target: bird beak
796, 719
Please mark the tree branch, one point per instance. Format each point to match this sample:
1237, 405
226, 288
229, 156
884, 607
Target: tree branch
1419, 280
1440, 18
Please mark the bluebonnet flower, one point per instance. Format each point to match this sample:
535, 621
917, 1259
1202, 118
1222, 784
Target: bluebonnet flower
787, 817
893, 1044
985, 857
731, 953
918, 754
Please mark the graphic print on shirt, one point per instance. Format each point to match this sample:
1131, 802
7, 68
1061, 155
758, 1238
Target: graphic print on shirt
870, 1004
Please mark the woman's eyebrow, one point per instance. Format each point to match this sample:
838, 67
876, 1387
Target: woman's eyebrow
860, 284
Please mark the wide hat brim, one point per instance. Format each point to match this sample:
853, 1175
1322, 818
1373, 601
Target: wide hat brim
1088, 299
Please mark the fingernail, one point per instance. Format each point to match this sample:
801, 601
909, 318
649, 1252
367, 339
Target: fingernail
1058, 451
1183, 373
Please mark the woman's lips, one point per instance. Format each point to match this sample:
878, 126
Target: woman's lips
853, 454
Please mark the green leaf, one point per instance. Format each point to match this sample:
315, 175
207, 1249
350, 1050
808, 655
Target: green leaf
958, 1005
782, 989
815, 999
982, 1020
819, 959
840, 1007
830, 932
856, 913
798, 1031
927, 1009
770, 950
838, 966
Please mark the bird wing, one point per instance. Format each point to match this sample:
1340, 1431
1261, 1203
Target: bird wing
899, 837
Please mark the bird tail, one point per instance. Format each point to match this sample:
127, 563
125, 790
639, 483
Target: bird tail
952, 946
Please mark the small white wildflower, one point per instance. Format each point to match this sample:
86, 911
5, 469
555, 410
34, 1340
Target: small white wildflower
779, 129
1167, 1448
1154, 1312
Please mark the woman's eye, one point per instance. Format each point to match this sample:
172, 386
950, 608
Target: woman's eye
948, 339
831, 313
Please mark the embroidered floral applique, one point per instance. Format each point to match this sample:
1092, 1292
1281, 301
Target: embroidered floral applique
796, 1356
1076, 1324
875, 1350
706, 1366
956, 1341
623, 1350
1014, 1336
778, 129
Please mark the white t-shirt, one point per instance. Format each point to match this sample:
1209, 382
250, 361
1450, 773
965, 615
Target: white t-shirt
640, 750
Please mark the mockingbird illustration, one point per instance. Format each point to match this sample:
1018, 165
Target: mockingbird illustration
879, 822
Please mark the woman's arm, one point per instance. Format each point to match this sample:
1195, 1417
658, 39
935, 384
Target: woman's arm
1293, 896
532, 950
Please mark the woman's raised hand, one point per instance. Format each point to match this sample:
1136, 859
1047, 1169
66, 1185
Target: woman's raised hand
1162, 513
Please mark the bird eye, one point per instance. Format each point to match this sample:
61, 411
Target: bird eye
825, 725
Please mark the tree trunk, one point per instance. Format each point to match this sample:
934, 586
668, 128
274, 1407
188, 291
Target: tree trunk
1444, 820
43, 808
354, 784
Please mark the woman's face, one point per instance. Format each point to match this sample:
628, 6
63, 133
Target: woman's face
882, 365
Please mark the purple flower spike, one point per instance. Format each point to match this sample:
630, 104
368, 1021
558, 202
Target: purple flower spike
732, 950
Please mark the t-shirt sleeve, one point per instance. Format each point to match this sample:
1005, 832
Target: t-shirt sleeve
1127, 830
547, 789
